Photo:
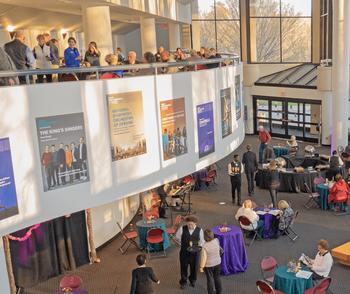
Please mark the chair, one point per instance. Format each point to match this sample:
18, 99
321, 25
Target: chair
266, 288
155, 236
129, 238
267, 265
172, 230
244, 221
109, 75
210, 178
321, 288
314, 197
70, 282
289, 230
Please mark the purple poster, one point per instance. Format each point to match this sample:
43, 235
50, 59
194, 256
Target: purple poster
205, 126
8, 196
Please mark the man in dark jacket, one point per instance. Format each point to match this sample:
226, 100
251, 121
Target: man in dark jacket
82, 158
6, 64
54, 166
61, 158
250, 164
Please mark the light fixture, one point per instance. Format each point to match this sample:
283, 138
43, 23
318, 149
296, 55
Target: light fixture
11, 29
63, 33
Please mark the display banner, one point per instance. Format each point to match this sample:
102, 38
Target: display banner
205, 127
173, 124
226, 112
8, 196
238, 97
63, 150
126, 125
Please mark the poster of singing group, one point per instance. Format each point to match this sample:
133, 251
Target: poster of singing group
173, 124
205, 127
63, 151
126, 125
8, 195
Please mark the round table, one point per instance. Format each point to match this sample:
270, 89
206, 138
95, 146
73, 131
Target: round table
280, 150
267, 219
288, 283
234, 259
323, 190
143, 227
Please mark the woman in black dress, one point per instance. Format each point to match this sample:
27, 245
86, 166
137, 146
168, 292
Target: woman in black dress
274, 182
142, 277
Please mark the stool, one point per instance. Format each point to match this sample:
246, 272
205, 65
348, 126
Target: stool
342, 253
70, 282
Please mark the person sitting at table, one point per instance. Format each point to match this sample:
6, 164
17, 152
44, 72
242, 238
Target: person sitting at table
247, 211
283, 219
273, 181
292, 145
268, 154
339, 192
322, 264
189, 235
211, 262
335, 163
142, 277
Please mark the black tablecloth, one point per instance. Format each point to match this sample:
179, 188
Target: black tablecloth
305, 162
291, 182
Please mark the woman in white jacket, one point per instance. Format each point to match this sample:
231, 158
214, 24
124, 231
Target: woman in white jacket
42, 56
247, 211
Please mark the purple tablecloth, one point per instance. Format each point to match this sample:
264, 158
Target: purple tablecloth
235, 258
267, 219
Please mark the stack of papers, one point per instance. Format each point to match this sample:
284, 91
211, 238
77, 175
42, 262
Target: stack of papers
261, 212
274, 212
303, 274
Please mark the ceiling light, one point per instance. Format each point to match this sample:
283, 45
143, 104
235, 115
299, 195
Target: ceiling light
10, 29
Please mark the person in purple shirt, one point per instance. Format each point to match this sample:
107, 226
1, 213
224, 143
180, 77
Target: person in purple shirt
71, 54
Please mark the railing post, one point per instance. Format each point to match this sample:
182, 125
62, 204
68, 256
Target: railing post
27, 80
97, 75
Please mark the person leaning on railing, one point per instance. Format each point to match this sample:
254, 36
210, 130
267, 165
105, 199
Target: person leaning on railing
6, 64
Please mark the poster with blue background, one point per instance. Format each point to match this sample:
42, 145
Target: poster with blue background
205, 127
8, 196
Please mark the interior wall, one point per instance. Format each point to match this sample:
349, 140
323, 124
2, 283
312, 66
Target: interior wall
129, 41
162, 33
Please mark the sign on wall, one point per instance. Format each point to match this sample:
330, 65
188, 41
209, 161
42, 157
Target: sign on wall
226, 112
205, 127
63, 150
126, 125
8, 196
238, 97
173, 124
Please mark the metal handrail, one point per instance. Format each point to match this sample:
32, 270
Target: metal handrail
98, 69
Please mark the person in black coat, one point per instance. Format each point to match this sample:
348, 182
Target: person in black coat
61, 158
250, 164
82, 158
142, 277
273, 181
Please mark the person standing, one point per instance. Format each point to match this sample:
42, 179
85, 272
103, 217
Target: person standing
92, 55
250, 167
82, 159
69, 161
42, 55
75, 163
189, 235
273, 182
61, 157
264, 138
71, 54
142, 277
235, 170
211, 262
54, 166
46, 162
7, 64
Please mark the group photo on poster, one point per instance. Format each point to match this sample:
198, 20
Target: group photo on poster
226, 112
63, 151
205, 128
173, 124
126, 125
238, 97
8, 195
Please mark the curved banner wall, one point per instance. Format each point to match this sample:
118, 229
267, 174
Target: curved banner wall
78, 145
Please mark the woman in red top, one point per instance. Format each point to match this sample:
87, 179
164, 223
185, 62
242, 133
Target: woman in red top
339, 191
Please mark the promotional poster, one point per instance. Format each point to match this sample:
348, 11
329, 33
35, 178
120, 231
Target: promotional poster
63, 152
238, 97
205, 125
8, 196
126, 125
226, 112
173, 124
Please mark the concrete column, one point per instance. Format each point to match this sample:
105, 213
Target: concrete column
97, 28
174, 36
340, 72
148, 35
196, 27
4, 36
186, 36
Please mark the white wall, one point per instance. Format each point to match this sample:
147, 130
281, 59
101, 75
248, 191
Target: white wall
130, 41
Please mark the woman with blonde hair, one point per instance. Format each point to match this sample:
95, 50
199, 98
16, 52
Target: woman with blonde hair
247, 211
283, 219
112, 60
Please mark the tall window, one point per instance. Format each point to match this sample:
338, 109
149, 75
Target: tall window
219, 25
279, 31
326, 29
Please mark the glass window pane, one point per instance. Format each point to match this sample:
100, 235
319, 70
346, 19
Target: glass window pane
293, 107
227, 9
262, 114
207, 34
265, 39
276, 105
296, 39
264, 8
296, 7
204, 9
277, 127
263, 122
228, 37
262, 104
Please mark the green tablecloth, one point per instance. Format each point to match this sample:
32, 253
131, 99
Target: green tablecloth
279, 151
143, 228
288, 283
323, 190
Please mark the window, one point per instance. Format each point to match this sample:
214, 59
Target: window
219, 22
326, 29
279, 31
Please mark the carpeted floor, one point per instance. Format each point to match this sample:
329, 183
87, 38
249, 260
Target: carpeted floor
114, 270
